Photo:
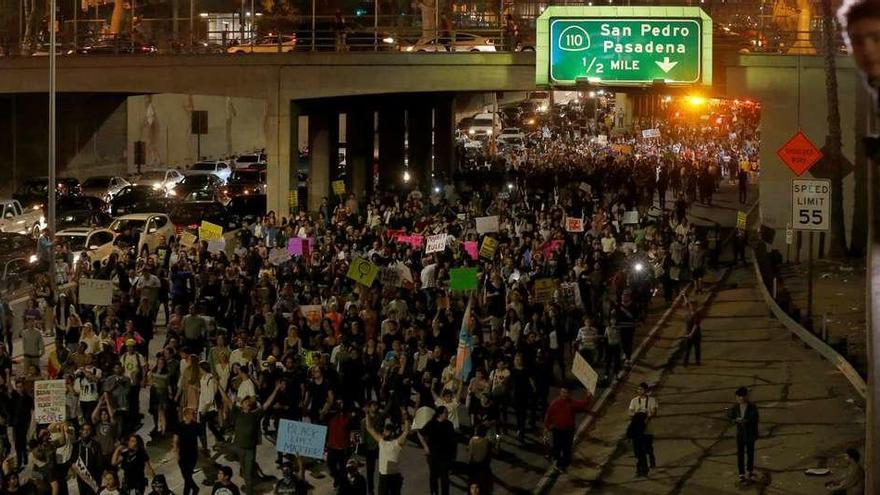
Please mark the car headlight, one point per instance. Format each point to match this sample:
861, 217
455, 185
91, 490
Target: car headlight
32, 259
409, 48
489, 132
388, 40
76, 257
172, 193
471, 132
157, 185
42, 220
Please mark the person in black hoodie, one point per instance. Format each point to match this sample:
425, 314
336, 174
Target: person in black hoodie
87, 455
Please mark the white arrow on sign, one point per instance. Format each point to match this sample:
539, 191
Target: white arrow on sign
666, 65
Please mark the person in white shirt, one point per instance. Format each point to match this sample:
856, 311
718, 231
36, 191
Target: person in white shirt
208, 404
390, 447
448, 400
644, 403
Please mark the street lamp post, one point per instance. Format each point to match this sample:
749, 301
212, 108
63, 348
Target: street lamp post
50, 215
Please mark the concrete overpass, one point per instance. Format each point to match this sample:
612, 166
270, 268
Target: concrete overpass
392, 100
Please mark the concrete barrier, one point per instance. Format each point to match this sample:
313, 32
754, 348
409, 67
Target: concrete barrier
807, 337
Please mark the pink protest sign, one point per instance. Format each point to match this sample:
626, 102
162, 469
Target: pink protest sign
471, 248
295, 246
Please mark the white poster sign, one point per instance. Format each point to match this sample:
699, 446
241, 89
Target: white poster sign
94, 291
49, 401
585, 373
435, 243
487, 225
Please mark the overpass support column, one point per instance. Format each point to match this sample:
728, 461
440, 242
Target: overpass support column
359, 155
624, 111
323, 151
281, 131
392, 127
444, 137
419, 127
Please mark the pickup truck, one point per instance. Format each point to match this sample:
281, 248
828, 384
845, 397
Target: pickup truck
20, 220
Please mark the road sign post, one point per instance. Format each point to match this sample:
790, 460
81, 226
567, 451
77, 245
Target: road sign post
810, 211
623, 46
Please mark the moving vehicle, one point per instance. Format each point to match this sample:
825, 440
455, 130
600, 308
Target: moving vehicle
33, 191
458, 42
146, 231
119, 46
511, 137
96, 244
163, 180
20, 220
483, 125
138, 199
218, 168
206, 182
279, 43
103, 186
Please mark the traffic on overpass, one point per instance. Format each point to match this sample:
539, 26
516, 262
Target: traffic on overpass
613, 266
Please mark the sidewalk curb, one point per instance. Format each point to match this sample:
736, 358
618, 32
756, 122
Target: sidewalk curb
807, 337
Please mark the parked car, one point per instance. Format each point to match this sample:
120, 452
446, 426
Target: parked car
195, 182
243, 182
511, 137
32, 192
96, 244
187, 216
18, 264
245, 209
282, 43
21, 220
163, 180
73, 211
138, 199
146, 231
250, 160
218, 168
459, 42
103, 186
18, 246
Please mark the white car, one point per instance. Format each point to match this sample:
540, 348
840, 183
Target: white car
459, 42
512, 137
482, 125
97, 244
152, 229
219, 168
14, 218
266, 44
160, 180
250, 160
103, 186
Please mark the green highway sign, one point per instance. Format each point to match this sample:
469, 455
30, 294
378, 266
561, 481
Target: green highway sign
624, 46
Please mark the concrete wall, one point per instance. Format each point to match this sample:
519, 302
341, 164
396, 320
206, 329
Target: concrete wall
791, 90
162, 121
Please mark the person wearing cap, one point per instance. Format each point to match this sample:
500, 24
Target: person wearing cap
647, 405
134, 365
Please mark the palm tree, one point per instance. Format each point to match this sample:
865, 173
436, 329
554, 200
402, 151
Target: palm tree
838, 247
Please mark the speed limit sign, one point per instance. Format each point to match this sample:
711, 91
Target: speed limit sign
810, 204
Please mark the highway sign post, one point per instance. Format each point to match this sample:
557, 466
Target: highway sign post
810, 211
623, 46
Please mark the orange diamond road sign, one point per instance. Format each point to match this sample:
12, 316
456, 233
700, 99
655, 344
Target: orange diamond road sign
799, 153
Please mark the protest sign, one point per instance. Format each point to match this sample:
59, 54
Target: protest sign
278, 256
362, 271
544, 288
464, 278
585, 373
187, 239
293, 200
216, 246
435, 243
405, 273
339, 187
209, 231
312, 313
487, 250
630, 217
550, 247
487, 225
423, 415
295, 246
574, 224
389, 276
94, 291
414, 240
650, 133
471, 248
50, 397
305, 439
741, 220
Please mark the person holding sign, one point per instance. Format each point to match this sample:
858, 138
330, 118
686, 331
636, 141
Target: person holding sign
247, 419
390, 447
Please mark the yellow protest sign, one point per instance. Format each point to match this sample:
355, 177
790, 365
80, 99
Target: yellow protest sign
741, 220
293, 199
544, 288
339, 187
362, 271
210, 232
487, 249
187, 239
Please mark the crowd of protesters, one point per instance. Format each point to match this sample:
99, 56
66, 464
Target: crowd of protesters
229, 341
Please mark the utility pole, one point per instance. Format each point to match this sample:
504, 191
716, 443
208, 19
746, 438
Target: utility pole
50, 215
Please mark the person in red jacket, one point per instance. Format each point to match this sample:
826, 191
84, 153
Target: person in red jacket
339, 427
560, 422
